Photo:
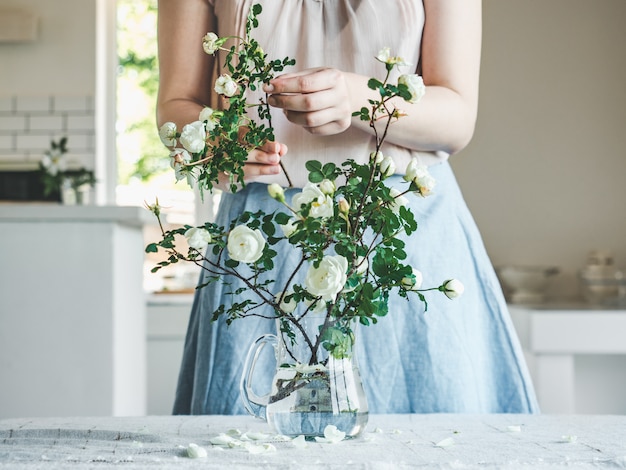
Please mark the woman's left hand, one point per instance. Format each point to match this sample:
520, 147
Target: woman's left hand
316, 99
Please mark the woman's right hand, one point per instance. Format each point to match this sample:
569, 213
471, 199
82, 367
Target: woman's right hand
317, 99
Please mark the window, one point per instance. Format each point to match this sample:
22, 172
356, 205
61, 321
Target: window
143, 165
142, 161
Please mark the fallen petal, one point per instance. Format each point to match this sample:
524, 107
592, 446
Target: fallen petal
259, 448
299, 442
333, 434
447, 442
255, 436
223, 440
194, 451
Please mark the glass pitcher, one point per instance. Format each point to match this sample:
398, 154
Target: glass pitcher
312, 388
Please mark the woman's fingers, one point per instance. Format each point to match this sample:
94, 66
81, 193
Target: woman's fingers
305, 81
316, 99
262, 161
273, 148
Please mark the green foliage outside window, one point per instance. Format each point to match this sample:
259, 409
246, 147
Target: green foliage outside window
139, 148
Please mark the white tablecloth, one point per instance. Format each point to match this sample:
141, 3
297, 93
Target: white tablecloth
389, 442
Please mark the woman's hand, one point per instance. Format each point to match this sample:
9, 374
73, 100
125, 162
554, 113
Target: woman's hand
316, 99
262, 161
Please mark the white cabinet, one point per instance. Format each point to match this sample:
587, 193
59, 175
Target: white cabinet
72, 311
168, 315
576, 355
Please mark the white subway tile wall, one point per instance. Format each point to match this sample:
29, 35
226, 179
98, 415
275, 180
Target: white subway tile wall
29, 123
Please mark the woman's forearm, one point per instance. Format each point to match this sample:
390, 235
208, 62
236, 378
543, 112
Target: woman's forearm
184, 68
442, 120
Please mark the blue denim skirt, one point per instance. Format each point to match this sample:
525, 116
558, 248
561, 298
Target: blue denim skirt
459, 356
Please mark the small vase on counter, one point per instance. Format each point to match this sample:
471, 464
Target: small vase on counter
602, 282
72, 195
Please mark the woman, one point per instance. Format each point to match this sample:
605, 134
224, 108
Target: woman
460, 356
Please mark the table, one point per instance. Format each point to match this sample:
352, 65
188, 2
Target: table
389, 442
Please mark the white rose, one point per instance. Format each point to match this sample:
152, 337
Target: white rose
415, 84
289, 228
387, 166
377, 157
415, 282
244, 244
287, 306
321, 204
179, 158
207, 115
419, 174
385, 57
54, 162
327, 187
225, 85
361, 264
276, 191
167, 134
398, 200
210, 43
344, 205
193, 137
328, 279
453, 288
198, 238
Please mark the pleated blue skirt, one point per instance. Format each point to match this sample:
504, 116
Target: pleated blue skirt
459, 356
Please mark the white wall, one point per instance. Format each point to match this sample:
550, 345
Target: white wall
544, 173
47, 85
62, 60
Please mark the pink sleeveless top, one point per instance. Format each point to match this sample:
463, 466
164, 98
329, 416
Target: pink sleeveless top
344, 34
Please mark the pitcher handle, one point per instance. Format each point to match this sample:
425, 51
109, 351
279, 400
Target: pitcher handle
254, 404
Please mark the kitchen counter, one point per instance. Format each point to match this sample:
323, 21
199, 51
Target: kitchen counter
73, 323
576, 354
41, 212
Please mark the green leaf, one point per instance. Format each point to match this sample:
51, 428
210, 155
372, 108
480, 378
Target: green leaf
329, 170
281, 218
313, 165
152, 248
268, 226
374, 84
316, 177
400, 254
231, 263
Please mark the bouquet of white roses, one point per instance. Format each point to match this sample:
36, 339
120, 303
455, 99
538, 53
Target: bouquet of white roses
343, 228
55, 172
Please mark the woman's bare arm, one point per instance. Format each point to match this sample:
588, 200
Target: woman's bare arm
184, 68
186, 79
